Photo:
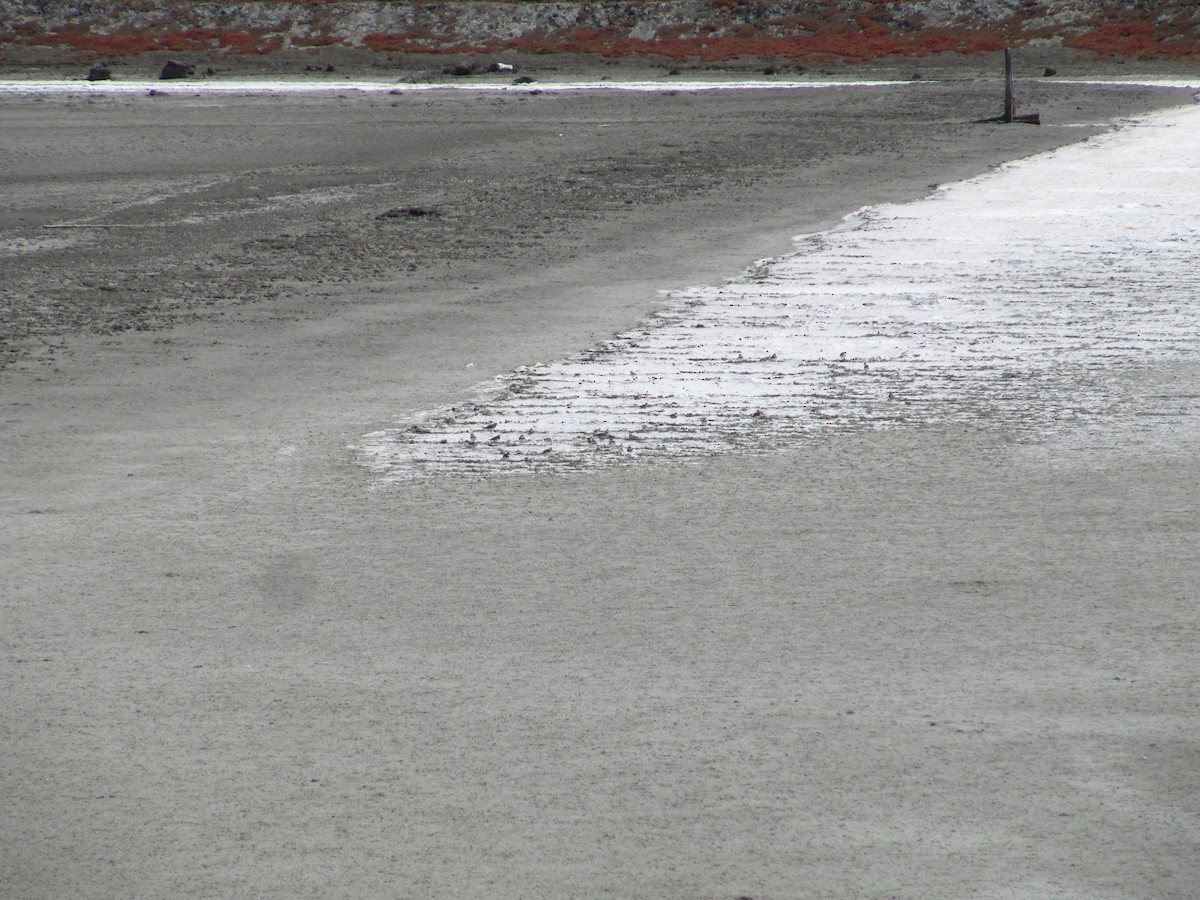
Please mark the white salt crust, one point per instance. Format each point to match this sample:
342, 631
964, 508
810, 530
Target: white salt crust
1026, 299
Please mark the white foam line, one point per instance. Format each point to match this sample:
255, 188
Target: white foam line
256, 86
277, 86
1023, 300
1129, 82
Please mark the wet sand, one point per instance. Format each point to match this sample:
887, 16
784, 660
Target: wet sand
928, 663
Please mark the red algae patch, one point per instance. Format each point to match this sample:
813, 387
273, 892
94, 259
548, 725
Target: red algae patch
832, 43
716, 31
1139, 40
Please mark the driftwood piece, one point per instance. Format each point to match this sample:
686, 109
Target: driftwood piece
1010, 101
93, 225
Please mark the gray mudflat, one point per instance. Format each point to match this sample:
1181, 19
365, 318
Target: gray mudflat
921, 664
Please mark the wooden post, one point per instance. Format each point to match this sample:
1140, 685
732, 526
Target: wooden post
1010, 102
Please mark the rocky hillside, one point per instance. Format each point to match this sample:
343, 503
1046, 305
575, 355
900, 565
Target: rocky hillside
683, 30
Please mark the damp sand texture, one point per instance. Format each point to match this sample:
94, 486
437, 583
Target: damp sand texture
915, 662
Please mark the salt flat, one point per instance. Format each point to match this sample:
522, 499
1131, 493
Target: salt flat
1015, 301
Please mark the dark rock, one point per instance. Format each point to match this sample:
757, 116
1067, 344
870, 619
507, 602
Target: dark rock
1049, 73
173, 69
330, 68
524, 79
401, 212
99, 73
673, 72
770, 70
459, 71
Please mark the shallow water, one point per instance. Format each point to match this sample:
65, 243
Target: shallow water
268, 86
1030, 299
312, 86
